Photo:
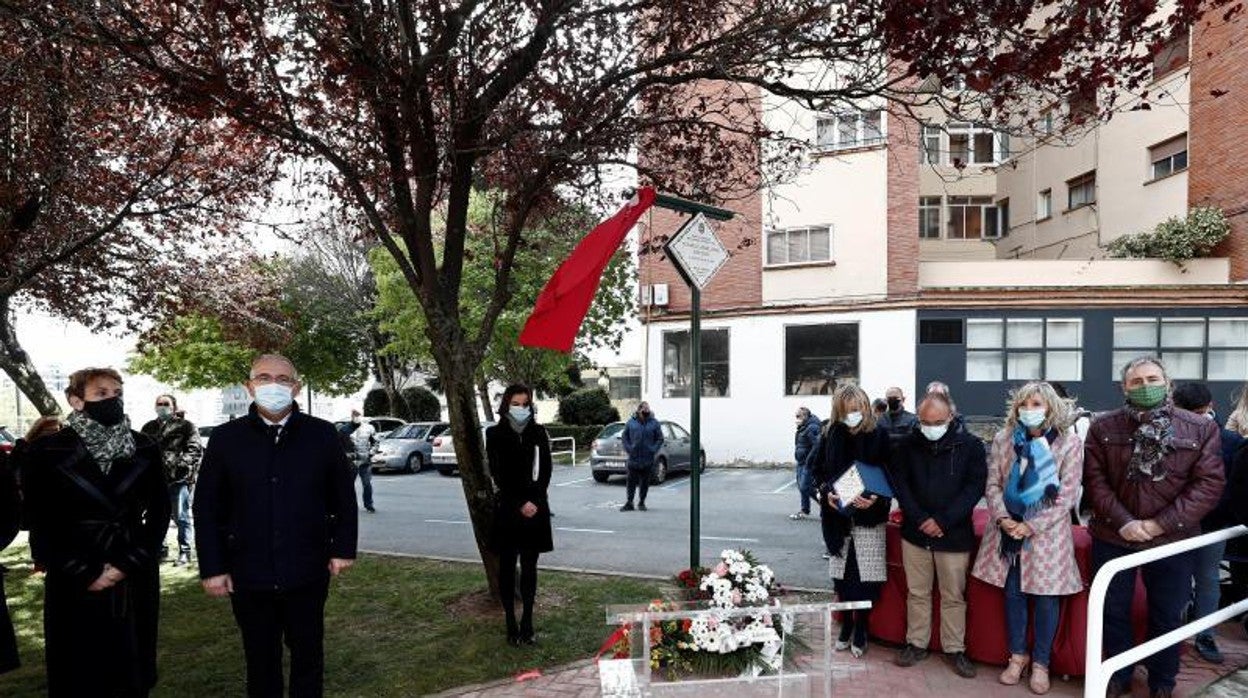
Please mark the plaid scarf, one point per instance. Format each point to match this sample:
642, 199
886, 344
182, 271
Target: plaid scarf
1151, 444
1032, 485
105, 444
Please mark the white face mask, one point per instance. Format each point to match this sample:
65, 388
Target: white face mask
852, 419
933, 432
1032, 418
274, 397
519, 414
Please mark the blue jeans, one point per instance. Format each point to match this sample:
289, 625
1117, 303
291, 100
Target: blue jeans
1169, 585
180, 506
366, 478
1046, 614
805, 486
1207, 588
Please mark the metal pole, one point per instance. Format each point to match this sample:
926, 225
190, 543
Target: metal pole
695, 431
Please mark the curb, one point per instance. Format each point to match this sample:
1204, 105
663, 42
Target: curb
499, 683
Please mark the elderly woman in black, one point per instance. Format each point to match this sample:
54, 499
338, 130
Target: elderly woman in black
96, 500
518, 449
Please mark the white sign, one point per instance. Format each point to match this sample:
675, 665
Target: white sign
697, 251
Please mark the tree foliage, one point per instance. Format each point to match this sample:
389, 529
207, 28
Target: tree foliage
1176, 239
421, 405
587, 406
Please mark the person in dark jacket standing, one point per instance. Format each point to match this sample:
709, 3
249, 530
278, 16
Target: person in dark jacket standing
939, 476
10, 518
642, 439
275, 518
96, 501
518, 451
181, 450
807, 437
1152, 472
896, 420
853, 530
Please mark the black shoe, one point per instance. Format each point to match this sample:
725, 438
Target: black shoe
910, 655
628, 506
370, 510
641, 507
1161, 693
962, 665
1207, 648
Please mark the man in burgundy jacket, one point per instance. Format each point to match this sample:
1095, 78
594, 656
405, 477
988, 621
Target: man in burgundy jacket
1151, 472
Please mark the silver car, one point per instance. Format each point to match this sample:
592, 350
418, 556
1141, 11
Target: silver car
607, 456
444, 458
408, 448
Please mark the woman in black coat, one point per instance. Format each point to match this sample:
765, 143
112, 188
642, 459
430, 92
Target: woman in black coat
96, 500
10, 517
853, 530
518, 450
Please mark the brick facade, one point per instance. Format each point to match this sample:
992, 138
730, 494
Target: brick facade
903, 205
1218, 135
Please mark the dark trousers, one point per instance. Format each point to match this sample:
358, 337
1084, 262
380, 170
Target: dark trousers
293, 616
528, 587
638, 478
1169, 585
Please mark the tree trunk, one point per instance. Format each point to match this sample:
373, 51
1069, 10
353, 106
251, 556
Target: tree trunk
483, 394
17, 364
473, 470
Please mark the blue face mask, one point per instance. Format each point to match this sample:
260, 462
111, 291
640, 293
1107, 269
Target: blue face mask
520, 415
274, 397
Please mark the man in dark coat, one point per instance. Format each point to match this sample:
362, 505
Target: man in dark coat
805, 441
896, 420
10, 517
181, 450
275, 518
96, 500
642, 439
939, 475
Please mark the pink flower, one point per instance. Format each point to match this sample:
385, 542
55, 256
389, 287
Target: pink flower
721, 570
736, 597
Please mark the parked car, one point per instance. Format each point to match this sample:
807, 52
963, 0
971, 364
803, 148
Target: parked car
407, 448
443, 456
607, 456
7, 440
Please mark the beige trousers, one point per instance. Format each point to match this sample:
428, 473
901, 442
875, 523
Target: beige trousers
949, 571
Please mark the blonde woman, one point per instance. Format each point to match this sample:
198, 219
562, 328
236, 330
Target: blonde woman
1238, 420
1034, 472
854, 534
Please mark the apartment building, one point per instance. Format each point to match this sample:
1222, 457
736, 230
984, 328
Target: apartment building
917, 249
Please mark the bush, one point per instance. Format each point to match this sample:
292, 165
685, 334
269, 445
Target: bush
587, 406
1176, 239
422, 405
376, 403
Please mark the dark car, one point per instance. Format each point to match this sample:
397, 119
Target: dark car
607, 456
408, 448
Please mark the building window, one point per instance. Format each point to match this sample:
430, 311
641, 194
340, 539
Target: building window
1002, 220
849, 130
1046, 122
1179, 342
942, 331
1082, 104
1228, 349
929, 217
818, 358
799, 245
678, 363
1172, 56
930, 153
625, 387
972, 218
1081, 191
1169, 157
974, 144
1021, 349
1044, 204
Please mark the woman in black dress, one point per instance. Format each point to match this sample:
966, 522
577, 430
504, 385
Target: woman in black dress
96, 501
854, 534
518, 450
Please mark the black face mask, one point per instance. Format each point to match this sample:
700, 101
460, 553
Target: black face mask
894, 404
108, 412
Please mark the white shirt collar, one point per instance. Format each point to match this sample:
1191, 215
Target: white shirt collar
271, 423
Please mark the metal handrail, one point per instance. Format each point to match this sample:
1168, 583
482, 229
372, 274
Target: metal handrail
571, 452
1098, 671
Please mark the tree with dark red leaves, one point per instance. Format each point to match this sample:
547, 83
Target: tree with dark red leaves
402, 107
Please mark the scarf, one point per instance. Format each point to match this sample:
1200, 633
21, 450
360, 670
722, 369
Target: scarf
105, 444
1032, 485
517, 426
1151, 444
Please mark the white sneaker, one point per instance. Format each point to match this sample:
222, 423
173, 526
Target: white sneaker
841, 646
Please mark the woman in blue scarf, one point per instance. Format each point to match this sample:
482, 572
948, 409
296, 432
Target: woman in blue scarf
1034, 472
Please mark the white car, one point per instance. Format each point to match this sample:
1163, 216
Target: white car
443, 456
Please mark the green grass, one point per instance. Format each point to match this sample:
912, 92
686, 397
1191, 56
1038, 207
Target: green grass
394, 627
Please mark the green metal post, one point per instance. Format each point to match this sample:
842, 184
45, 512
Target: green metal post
695, 429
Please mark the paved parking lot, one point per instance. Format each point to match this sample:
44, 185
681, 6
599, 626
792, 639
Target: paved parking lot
743, 508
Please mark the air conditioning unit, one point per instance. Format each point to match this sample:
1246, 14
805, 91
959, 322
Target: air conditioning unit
660, 295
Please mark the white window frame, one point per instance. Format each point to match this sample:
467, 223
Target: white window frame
1174, 161
988, 209
971, 129
670, 390
1004, 351
1087, 179
926, 206
789, 232
832, 124
1044, 204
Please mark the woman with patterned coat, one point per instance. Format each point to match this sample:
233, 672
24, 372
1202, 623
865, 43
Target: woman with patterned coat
853, 533
1034, 472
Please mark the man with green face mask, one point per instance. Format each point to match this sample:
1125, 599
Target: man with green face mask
1151, 472
181, 450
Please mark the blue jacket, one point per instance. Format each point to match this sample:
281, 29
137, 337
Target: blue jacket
273, 514
642, 441
806, 439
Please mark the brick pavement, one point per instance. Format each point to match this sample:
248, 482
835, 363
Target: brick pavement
874, 676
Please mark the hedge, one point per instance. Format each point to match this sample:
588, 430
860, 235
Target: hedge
587, 406
422, 403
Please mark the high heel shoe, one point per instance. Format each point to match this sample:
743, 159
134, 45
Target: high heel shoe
1040, 679
1015, 670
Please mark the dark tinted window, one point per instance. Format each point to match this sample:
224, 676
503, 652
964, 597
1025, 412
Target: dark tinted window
940, 331
819, 357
